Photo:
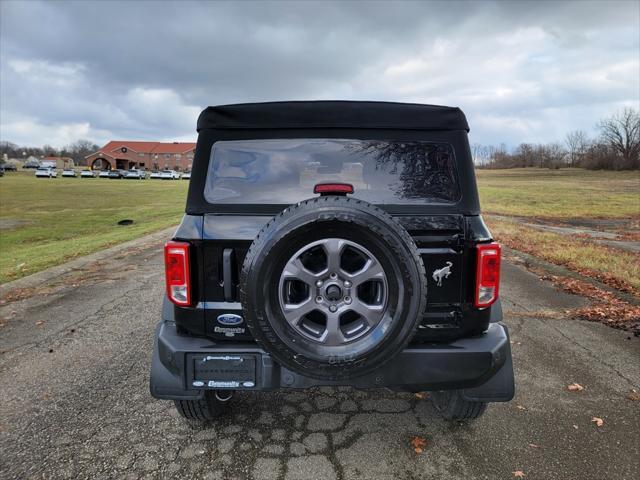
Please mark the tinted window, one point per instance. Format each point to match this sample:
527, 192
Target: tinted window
284, 171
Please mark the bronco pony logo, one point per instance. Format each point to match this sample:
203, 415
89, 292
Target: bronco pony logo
442, 273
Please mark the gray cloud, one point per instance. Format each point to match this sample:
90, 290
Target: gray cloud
522, 71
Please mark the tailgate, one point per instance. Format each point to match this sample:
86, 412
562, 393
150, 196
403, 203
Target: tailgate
226, 239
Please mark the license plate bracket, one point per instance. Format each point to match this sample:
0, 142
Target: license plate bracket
224, 371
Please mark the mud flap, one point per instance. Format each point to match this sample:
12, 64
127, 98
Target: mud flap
496, 312
166, 385
499, 388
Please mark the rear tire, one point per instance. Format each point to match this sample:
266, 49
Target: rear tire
204, 410
451, 405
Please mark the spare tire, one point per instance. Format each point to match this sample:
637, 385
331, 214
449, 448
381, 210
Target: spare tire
333, 288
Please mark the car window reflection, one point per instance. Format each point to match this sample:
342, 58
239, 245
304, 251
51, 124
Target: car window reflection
285, 170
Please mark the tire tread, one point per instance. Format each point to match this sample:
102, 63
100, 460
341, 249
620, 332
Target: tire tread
451, 405
202, 410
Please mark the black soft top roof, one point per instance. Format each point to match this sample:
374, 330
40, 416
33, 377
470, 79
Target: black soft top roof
333, 114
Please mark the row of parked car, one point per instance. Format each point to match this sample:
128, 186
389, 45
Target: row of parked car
7, 167
46, 172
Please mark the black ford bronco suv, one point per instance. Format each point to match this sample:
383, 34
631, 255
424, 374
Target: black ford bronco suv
332, 243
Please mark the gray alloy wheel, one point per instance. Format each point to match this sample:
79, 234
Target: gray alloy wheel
339, 297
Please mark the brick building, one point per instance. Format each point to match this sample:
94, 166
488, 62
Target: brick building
144, 155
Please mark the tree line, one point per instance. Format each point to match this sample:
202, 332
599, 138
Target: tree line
76, 150
617, 147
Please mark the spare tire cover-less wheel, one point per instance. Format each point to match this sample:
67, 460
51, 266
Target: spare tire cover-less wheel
333, 287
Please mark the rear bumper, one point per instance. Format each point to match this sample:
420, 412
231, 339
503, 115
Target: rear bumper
480, 366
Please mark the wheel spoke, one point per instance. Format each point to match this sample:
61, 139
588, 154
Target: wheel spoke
333, 249
372, 314
293, 312
333, 335
296, 270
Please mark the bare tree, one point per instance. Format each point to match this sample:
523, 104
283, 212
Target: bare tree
551, 155
599, 156
49, 151
478, 153
79, 150
622, 132
525, 155
577, 144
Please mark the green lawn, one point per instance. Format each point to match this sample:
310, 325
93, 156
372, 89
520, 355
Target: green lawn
45, 222
563, 193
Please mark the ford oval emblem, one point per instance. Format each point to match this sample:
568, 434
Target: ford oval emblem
229, 319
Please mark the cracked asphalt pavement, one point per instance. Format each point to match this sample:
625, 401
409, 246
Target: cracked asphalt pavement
74, 363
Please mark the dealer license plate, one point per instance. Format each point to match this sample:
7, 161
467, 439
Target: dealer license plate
224, 371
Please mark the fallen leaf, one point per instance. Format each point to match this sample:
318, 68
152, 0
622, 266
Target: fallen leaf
520, 407
598, 421
418, 444
419, 395
518, 474
633, 395
39, 322
575, 387
575, 426
533, 445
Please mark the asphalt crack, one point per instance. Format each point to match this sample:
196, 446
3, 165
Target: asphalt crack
592, 355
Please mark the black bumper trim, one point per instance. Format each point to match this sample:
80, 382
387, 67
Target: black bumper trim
481, 366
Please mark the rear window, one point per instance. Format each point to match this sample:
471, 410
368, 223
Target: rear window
284, 171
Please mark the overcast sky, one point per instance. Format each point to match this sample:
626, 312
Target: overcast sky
144, 70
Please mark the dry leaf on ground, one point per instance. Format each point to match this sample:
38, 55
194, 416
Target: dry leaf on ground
518, 474
520, 407
533, 445
418, 444
598, 421
633, 395
39, 323
575, 387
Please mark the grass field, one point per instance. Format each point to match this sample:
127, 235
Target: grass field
557, 194
44, 222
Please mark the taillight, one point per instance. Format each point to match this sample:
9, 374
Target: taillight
487, 274
176, 267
